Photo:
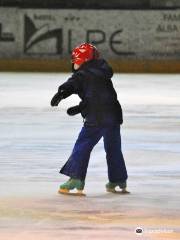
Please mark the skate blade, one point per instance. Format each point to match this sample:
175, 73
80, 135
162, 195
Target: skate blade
67, 192
123, 191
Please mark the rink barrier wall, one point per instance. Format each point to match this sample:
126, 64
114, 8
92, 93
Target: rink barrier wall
133, 40
123, 66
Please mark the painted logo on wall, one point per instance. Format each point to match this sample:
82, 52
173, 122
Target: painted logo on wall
6, 36
43, 36
117, 34
41, 40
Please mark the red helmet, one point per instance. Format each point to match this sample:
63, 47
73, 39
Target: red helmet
83, 53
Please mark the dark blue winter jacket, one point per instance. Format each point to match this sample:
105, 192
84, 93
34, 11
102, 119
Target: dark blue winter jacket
92, 82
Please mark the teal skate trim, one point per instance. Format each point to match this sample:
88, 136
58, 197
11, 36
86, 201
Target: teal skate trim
73, 183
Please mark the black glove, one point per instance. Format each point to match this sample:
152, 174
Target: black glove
56, 99
73, 110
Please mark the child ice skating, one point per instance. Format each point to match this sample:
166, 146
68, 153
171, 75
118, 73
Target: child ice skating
102, 113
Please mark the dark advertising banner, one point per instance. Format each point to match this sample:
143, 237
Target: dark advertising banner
10, 39
118, 34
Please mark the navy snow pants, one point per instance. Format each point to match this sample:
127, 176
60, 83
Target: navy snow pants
76, 166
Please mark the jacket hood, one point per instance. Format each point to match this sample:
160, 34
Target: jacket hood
98, 67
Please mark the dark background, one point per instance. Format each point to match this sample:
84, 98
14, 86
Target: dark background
93, 4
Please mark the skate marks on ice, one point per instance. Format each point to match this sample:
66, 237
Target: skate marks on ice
35, 141
67, 218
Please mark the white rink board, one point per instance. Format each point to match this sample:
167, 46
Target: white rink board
118, 34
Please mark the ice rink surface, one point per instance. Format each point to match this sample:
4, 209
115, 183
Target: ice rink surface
36, 140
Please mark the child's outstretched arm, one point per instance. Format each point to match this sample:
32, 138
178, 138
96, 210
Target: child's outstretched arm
68, 88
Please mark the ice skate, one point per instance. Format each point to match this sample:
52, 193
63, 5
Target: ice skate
72, 184
111, 187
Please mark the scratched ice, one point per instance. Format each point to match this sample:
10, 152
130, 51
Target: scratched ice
36, 140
